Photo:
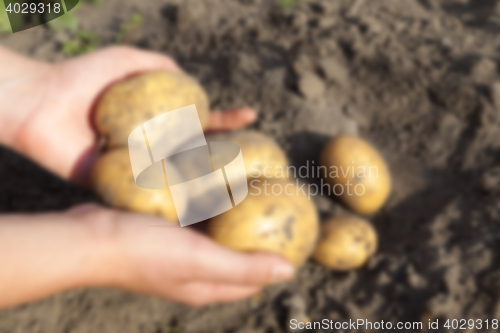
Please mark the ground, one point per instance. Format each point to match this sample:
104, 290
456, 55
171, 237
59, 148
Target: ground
418, 78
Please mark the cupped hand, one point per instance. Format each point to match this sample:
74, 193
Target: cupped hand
90, 246
57, 130
147, 255
47, 109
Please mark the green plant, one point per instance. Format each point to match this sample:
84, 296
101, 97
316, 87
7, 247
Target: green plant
84, 41
287, 4
132, 24
67, 22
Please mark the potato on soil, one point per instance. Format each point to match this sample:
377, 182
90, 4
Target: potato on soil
283, 224
357, 170
263, 157
131, 102
112, 179
345, 243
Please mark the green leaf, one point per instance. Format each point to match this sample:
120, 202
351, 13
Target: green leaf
67, 22
84, 41
134, 23
287, 4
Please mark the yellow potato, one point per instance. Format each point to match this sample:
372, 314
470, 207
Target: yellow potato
261, 154
357, 173
283, 224
131, 102
345, 243
112, 179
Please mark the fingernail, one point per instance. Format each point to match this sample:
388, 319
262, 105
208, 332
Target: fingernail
283, 272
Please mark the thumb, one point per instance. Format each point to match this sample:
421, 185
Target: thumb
97, 70
231, 119
217, 264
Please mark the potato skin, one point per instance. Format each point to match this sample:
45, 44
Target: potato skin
349, 153
259, 151
346, 243
283, 224
131, 102
112, 179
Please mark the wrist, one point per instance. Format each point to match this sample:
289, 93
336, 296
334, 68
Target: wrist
101, 249
50, 253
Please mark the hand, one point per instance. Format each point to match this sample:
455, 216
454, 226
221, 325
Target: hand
45, 113
180, 264
93, 246
149, 256
52, 105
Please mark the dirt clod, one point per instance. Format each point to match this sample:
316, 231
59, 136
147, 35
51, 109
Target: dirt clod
333, 70
311, 86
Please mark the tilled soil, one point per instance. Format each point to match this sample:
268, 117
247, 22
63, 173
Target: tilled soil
418, 78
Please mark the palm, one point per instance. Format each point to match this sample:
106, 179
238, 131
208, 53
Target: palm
59, 134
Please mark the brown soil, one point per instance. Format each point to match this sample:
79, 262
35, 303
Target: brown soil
415, 77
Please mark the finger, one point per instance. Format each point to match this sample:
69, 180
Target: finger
83, 209
212, 262
203, 293
100, 69
117, 61
231, 120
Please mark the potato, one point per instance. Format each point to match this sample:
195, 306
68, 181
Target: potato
345, 243
131, 102
357, 173
283, 224
112, 179
261, 154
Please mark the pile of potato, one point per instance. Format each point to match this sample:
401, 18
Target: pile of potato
285, 224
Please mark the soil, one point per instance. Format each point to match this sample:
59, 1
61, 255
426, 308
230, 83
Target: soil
418, 78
